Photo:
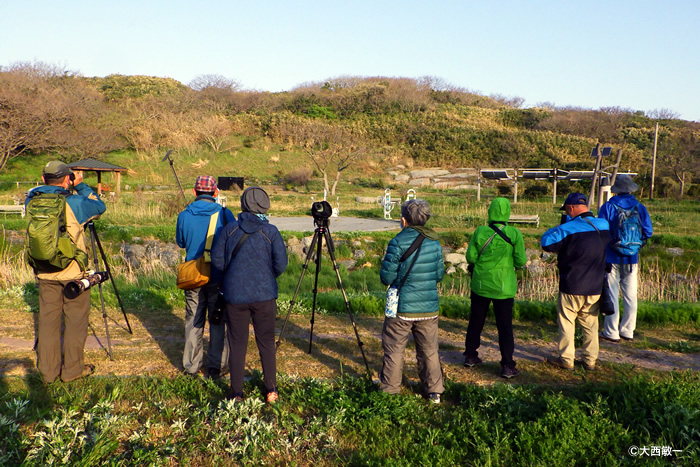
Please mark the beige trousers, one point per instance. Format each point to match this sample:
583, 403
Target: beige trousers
61, 357
584, 310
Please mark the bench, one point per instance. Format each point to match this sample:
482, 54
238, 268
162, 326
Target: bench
10, 209
525, 219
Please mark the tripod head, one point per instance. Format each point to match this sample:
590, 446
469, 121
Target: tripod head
321, 212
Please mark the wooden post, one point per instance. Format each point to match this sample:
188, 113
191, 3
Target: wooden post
515, 186
595, 176
99, 182
478, 185
554, 188
653, 162
119, 182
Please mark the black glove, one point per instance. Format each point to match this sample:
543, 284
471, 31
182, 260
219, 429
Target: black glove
608, 267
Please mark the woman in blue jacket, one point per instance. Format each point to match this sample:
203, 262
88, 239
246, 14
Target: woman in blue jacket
418, 306
249, 286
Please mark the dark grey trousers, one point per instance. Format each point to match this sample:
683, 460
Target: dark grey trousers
197, 302
395, 336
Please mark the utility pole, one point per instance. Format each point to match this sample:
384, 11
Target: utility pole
653, 162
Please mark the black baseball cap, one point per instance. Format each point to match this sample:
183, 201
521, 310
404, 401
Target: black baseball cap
574, 199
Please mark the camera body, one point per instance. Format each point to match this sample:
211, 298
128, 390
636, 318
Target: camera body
75, 288
321, 212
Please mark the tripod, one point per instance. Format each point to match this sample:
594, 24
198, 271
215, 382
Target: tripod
320, 233
96, 244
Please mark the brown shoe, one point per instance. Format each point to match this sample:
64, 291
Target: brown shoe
557, 362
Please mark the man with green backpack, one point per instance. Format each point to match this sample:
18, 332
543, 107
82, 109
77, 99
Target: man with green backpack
56, 249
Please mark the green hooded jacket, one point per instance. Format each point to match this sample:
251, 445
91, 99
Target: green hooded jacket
494, 268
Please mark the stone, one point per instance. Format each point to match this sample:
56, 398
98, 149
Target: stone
292, 241
402, 178
348, 263
455, 258
426, 173
675, 251
451, 270
359, 254
419, 182
532, 253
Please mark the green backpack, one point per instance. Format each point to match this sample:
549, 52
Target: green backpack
49, 247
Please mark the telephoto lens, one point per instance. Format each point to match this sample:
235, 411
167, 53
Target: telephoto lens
75, 288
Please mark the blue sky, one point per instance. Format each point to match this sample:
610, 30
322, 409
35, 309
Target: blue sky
641, 54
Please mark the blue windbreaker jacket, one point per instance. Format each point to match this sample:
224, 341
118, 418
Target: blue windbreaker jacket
581, 253
193, 224
608, 211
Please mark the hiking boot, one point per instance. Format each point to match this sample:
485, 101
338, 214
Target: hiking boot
588, 367
508, 372
628, 339
557, 362
88, 370
434, 397
272, 397
214, 373
471, 361
609, 339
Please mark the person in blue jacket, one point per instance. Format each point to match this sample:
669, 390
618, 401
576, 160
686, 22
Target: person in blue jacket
252, 254
418, 305
62, 326
580, 244
623, 270
191, 234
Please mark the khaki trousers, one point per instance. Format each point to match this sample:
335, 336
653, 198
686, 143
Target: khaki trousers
53, 308
394, 339
584, 310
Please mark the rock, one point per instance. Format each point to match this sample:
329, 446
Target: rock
419, 182
445, 184
451, 270
547, 256
675, 251
348, 263
359, 254
535, 267
393, 173
532, 253
306, 241
425, 173
356, 244
133, 255
461, 250
463, 267
298, 250
402, 178
455, 258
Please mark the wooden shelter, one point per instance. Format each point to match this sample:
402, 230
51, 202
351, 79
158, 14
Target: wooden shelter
92, 165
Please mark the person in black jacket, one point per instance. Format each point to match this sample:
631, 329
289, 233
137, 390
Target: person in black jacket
251, 254
580, 243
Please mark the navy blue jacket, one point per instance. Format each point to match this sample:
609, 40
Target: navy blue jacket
608, 211
581, 253
252, 275
193, 225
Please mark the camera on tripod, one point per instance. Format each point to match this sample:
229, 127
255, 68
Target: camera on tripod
75, 288
321, 212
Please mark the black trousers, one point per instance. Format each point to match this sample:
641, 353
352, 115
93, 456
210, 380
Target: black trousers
503, 310
263, 315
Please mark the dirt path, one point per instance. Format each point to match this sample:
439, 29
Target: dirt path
155, 348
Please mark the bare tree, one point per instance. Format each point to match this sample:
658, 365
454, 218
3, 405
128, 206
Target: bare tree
332, 148
213, 81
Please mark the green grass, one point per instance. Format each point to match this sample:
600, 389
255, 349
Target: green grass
160, 421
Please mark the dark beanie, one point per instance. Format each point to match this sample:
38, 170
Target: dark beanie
255, 200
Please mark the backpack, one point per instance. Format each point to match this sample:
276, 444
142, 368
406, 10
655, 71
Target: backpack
629, 231
49, 247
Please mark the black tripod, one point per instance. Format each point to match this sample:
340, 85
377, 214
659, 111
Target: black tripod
96, 244
320, 233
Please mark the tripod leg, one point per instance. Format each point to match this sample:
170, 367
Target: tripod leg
360, 344
96, 262
315, 290
309, 254
93, 234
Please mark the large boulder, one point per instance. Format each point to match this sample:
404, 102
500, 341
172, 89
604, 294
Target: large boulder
455, 258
